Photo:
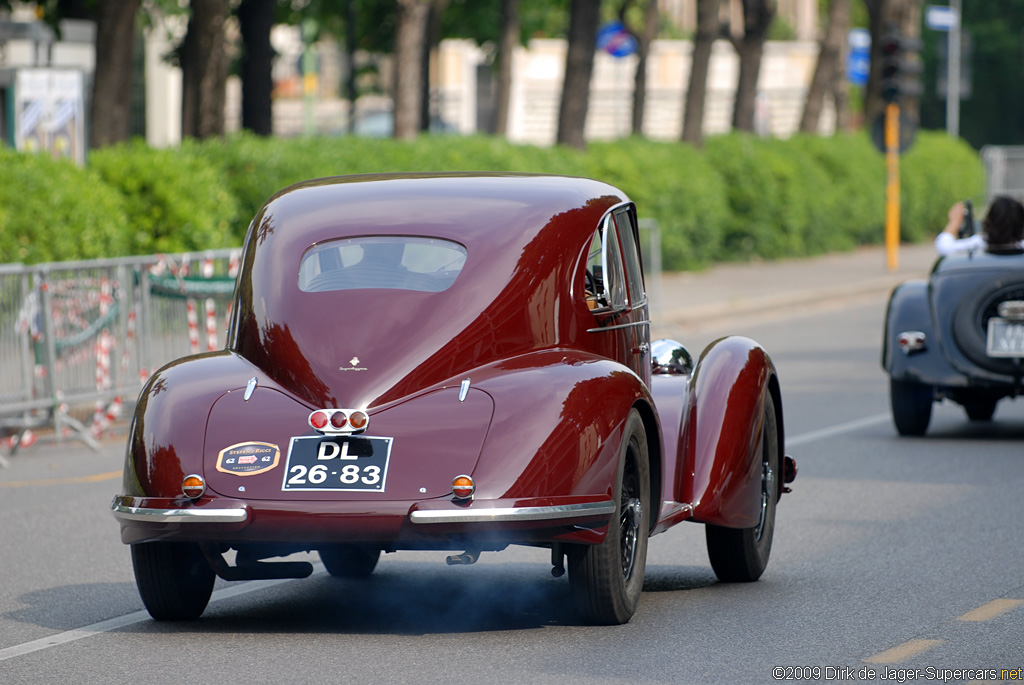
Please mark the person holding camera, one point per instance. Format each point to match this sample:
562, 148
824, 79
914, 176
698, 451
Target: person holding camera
1002, 230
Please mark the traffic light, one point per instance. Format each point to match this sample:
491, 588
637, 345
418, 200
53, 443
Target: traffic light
901, 67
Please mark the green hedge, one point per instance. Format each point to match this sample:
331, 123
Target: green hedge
176, 201
739, 197
51, 210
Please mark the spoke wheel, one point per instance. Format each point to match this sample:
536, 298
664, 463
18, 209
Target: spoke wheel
349, 561
174, 579
607, 579
740, 555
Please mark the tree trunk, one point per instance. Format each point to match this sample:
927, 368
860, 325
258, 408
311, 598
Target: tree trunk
509, 43
696, 92
829, 56
204, 70
757, 17
579, 64
112, 85
840, 95
409, 39
431, 41
351, 36
643, 49
255, 19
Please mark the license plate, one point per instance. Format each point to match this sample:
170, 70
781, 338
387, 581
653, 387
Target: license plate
337, 463
1005, 338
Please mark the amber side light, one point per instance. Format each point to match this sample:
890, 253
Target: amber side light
463, 487
193, 486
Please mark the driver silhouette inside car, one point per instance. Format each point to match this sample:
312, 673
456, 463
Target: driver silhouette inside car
380, 266
1002, 230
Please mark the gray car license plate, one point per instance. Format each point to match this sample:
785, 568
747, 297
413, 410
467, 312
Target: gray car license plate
1005, 338
339, 462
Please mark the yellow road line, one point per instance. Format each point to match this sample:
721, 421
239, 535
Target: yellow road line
904, 651
96, 478
986, 612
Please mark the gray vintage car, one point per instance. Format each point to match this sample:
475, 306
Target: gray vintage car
959, 335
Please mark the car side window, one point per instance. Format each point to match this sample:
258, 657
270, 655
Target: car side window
631, 253
605, 284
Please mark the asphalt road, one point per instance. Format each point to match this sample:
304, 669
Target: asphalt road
895, 560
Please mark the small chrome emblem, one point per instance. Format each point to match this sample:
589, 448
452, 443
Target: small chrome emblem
250, 387
354, 361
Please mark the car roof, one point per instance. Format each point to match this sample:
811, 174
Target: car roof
524, 235
475, 209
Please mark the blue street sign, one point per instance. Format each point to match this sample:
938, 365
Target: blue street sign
858, 61
939, 18
614, 39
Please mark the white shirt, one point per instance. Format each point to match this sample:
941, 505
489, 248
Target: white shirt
946, 244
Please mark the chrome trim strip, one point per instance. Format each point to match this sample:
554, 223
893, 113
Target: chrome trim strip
127, 513
563, 511
464, 390
618, 326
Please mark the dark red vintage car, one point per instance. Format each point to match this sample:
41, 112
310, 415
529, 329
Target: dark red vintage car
454, 362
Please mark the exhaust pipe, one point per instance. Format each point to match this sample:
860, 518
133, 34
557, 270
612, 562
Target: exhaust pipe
466, 558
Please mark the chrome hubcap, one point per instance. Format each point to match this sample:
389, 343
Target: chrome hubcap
629, 527
767, 486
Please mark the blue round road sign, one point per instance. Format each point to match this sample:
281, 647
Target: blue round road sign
614, 39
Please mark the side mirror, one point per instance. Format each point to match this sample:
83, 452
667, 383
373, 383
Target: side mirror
669, 357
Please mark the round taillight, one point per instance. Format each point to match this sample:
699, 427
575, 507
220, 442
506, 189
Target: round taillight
318, 419
463, 487
358, 420
338, 419
193, 486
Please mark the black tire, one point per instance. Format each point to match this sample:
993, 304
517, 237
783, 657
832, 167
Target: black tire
607, 579
349, 561
911, 406
174, 579
740, 555
980, 408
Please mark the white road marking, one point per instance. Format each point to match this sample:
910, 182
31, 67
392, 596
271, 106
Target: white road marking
837, 429
129, 619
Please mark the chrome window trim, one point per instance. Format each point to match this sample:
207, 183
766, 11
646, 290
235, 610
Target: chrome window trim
563, 511
616, 327
194, 515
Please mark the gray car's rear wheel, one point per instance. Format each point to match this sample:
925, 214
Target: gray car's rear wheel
911, 406
174, 579
740, 555
607, 579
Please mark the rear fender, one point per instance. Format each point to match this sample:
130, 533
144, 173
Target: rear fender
168, 429
721, 471
909, 310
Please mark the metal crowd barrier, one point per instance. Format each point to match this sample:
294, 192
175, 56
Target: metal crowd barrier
78, 340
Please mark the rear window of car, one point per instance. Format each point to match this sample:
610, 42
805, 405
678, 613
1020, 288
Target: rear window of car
391, 262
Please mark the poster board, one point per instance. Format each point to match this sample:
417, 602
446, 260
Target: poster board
49, 112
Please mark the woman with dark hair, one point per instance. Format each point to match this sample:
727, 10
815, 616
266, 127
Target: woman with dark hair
1002, 230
